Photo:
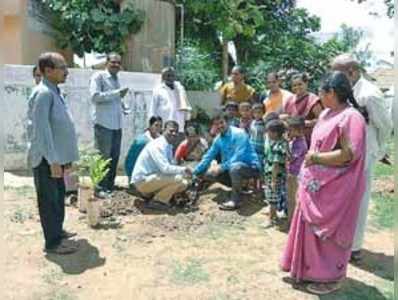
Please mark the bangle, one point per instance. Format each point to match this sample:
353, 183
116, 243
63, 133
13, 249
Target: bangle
315, 158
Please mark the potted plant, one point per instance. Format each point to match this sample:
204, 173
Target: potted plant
94, 167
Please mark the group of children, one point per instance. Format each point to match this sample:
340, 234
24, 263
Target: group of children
281, 147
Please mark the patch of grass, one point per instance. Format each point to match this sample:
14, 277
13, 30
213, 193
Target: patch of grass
383, 210
383, 170
189, 273
61, 295
52, 276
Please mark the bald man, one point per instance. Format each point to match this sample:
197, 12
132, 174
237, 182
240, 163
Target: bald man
378, 131
52, 150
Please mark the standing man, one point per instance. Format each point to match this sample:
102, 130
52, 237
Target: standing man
378, 131
155, 173
276, 97
239, 160
106, 96
170, 100
52, 150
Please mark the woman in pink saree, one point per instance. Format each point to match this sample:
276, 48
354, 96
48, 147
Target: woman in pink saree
331, 184
302, 103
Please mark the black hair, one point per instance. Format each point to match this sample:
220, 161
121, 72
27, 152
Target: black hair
296, 122
339, 83
193, 125
258, 106
34, 70
220, 116
270, 116
171, 123
240, 69
231, 104
154, 119
112, 54
303, 76
274, 74
276, 126
245, 104
48, 60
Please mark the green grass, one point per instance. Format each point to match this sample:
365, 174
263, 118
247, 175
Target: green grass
24, 190
383, 210
189, 273
382, 170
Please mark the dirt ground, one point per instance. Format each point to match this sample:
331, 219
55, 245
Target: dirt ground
145, 254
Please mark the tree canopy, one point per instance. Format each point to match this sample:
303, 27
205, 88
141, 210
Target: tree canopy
87, 25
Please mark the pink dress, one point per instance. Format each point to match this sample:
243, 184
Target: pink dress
323, 225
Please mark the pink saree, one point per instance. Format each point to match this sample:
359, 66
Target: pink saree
328, 199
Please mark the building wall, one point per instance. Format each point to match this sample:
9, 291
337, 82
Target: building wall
18, 84
153, 47
26, 33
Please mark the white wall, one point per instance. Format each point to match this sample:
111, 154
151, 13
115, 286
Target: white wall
18, 84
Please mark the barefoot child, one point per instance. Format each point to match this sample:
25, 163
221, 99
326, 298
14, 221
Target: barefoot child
275, 156
297, 151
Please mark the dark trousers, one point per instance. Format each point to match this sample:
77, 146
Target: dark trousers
51, 200
108, 143
234, 178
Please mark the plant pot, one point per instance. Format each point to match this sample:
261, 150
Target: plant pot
84, 194
94, 211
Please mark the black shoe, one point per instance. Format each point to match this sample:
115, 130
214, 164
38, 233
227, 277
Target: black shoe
67, 235
356, 256
157, 205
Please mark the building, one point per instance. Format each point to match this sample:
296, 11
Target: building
25, 33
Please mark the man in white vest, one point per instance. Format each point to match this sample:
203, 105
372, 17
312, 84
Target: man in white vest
379, 130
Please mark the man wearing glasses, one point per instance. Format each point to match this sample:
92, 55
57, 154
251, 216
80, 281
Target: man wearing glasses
106, 96
52, 150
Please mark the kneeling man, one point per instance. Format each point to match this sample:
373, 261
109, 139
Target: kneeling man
156, 173
239, 160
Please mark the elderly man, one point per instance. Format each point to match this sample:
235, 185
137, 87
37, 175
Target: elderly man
106, 96
239, 160
378, 131
52, 150
170, 100
155, 173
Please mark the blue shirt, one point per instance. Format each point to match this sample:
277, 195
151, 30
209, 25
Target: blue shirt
105, 96
51, 131
234, 146
135, 150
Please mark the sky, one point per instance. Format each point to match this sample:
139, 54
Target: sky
334, 13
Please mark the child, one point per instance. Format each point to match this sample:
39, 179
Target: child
193, 147
232, 110
245, 111
257, 131
275, 154
297, 151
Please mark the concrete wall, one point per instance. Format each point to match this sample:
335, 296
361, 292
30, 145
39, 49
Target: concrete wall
153, 47
26, 33
18, 84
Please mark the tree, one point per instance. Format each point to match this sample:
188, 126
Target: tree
389, 4
97, 26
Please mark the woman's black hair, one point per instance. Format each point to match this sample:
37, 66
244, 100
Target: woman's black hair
303, 76
154, 119
194, 125
340, 84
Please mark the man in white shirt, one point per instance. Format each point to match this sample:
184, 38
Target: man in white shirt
169, 100
379, 129
156, 173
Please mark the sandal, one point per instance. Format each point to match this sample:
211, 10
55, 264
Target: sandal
323, 288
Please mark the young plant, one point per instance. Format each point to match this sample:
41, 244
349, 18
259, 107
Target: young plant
92, 165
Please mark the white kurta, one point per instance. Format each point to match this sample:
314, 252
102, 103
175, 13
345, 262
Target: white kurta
170, 104
379, 130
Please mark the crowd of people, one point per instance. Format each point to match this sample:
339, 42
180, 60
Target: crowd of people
310, 154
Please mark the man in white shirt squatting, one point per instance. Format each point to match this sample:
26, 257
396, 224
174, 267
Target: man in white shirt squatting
156, 173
